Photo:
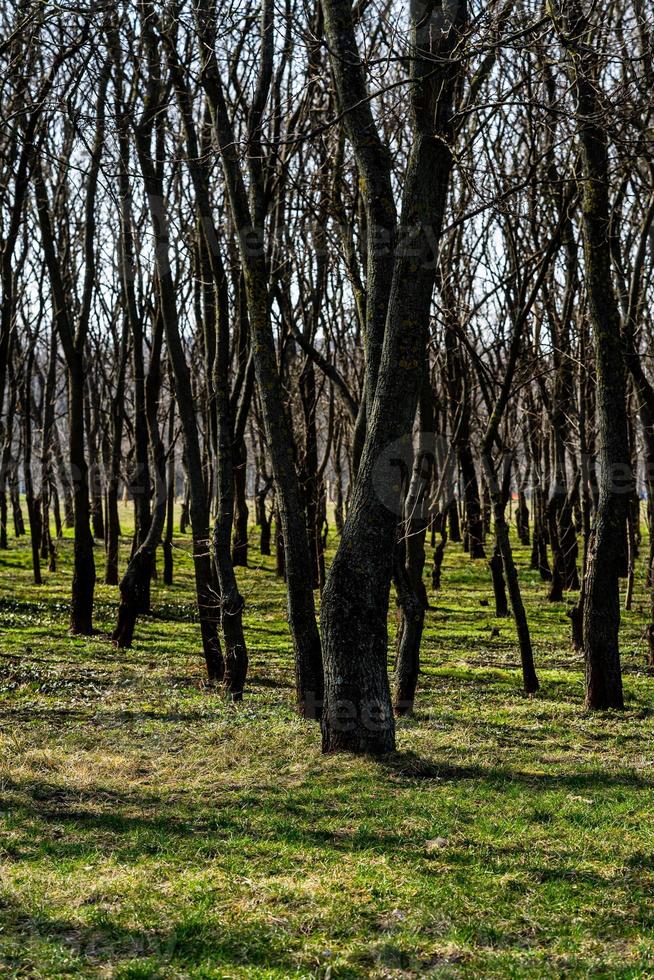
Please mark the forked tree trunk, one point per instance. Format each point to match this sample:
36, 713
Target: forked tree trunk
135, 584
358, 714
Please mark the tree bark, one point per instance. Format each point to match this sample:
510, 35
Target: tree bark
249, 218
601, 613
358, 714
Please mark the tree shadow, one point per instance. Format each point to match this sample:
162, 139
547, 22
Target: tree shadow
409, 766
135, 821
187, 942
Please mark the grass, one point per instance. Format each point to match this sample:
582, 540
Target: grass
149, 829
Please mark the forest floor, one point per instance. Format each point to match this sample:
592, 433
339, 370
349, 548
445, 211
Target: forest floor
149, 829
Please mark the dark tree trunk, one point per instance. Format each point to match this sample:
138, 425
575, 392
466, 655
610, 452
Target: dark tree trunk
135, 584
249, 215
199, 506
170, 502
16, 509
113, 536
114, 457
409, 635
459, 409
529, 678
499, 585
454, 523
5, 480
56, 510
263, 519
358, 713
48, 488
73, 343
601, 613
231, 601
241, 512
81, 617
558, 568
33, 503
474, 525
522, 519
280, 557
410, 557
439, 554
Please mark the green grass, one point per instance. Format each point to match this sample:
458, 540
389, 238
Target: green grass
149, 829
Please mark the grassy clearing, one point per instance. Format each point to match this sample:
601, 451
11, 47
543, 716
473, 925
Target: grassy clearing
147, 829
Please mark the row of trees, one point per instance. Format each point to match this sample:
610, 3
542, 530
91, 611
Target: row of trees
405, 251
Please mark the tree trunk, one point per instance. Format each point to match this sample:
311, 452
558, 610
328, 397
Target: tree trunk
170, 502
241, 512
529, 678
601, 613
33, 503
5, 464
409, 634
263, 520
199, 508
249, 218
358, 714
81, 616
499, 585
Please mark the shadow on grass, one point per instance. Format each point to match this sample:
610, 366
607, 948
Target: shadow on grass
411, 767
144, 818
194, 938
234, 825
